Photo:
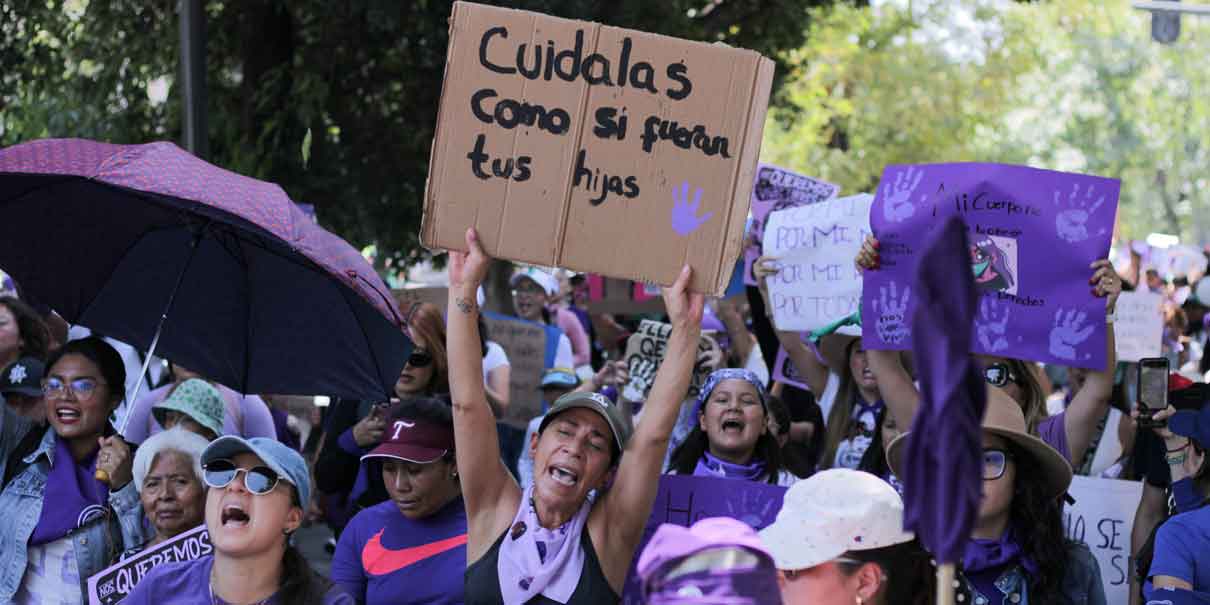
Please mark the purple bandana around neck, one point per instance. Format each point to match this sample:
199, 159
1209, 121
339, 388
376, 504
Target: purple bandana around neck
534, 560
73, 497
711, 466
984, 554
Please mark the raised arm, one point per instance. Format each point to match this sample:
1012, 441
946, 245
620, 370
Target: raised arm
488, 489
626, 506
1092, 401
894, 385
804, 359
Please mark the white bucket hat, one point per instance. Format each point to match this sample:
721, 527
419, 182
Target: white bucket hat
831, 513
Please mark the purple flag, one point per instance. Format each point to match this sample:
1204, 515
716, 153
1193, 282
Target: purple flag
1032, 236
942, 474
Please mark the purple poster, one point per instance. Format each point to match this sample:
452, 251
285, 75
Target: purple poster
777, 189
1033, 234
685, 500
785, 372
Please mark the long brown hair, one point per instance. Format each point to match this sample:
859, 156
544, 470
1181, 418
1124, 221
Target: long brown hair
1033, 400
425, 321
840, 418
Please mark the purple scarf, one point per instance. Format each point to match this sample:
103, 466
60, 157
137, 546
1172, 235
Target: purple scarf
534, 560
73, 497
988, 554
710, 466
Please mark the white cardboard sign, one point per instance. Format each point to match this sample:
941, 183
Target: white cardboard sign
1102, 518
1139, 327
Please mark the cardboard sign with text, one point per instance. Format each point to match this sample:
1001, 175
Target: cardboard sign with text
525, 344
815, 246
1103, 518
685, 500
595, 148
111, 585
1139, 327
777, 189
645, 352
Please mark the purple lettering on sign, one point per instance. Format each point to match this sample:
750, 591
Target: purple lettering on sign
1033, 235
685, 500
777, 189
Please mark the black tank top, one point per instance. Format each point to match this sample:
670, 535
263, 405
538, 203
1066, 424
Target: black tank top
483, 582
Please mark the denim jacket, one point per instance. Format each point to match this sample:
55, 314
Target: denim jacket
21, 502
1081, 584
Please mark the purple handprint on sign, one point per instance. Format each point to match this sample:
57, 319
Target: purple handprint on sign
1071, 223
896, 199
684, 214
992, 325
1068, 332
890, 312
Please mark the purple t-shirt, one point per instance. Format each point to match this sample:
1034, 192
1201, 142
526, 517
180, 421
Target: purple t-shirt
1054, 433
1181, 545
384, 557
188, 583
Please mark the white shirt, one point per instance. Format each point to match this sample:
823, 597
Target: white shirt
495, 358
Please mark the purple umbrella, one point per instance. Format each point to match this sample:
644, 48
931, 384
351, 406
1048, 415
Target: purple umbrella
247, 289
942, 473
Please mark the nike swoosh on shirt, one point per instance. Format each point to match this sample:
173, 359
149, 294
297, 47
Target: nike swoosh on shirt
377, 560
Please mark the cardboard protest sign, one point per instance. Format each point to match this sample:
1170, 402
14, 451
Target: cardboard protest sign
112, 584
777, 189
595, 148
785, 372
526, 345
1103, 518
685, 500
815, 246
437, 295
1033, 235
645, 353
1138, 330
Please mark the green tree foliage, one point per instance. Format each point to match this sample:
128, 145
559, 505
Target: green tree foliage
362, 76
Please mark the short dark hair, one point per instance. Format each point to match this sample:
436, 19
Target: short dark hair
96, 350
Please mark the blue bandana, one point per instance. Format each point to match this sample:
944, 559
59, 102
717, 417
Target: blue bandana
731, 374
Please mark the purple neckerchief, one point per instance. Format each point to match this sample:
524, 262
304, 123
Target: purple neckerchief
752, 586
984, 554
730, 374
711, 466
862, 408
73, 497
534, 560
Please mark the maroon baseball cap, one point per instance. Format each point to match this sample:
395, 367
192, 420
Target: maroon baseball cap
414, 440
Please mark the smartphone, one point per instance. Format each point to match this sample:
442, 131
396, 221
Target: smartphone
1152, 389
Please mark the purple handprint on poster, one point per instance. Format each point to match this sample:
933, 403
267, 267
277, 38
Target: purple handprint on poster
1033, 235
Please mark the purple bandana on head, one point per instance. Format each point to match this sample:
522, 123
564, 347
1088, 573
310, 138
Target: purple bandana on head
730, 374
73, 497
535, 560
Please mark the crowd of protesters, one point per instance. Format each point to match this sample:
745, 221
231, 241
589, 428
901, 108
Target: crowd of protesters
432, 497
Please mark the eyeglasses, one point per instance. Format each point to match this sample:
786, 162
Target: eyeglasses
81, 388
259, 480
420, 359
995, 460
999, 374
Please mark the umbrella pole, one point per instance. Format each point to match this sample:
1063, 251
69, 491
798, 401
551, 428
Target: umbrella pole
945, 584
101, 475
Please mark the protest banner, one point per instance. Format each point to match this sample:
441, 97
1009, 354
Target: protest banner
560, 139
815, 246
112, 584
785, 372
1103, 518
525, 343
645, 353
1139, 325
434, 295
1033, 235
685, 500
777, 189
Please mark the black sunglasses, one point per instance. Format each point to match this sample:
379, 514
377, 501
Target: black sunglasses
420, 359
999, 374
259, 480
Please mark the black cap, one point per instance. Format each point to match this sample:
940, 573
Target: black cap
23, 377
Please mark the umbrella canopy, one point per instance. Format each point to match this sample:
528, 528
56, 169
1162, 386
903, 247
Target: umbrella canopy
265, 300
943, 476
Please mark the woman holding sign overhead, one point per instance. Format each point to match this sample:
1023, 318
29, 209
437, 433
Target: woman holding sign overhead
551, 543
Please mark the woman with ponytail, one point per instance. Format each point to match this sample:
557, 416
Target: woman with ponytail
254, 504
